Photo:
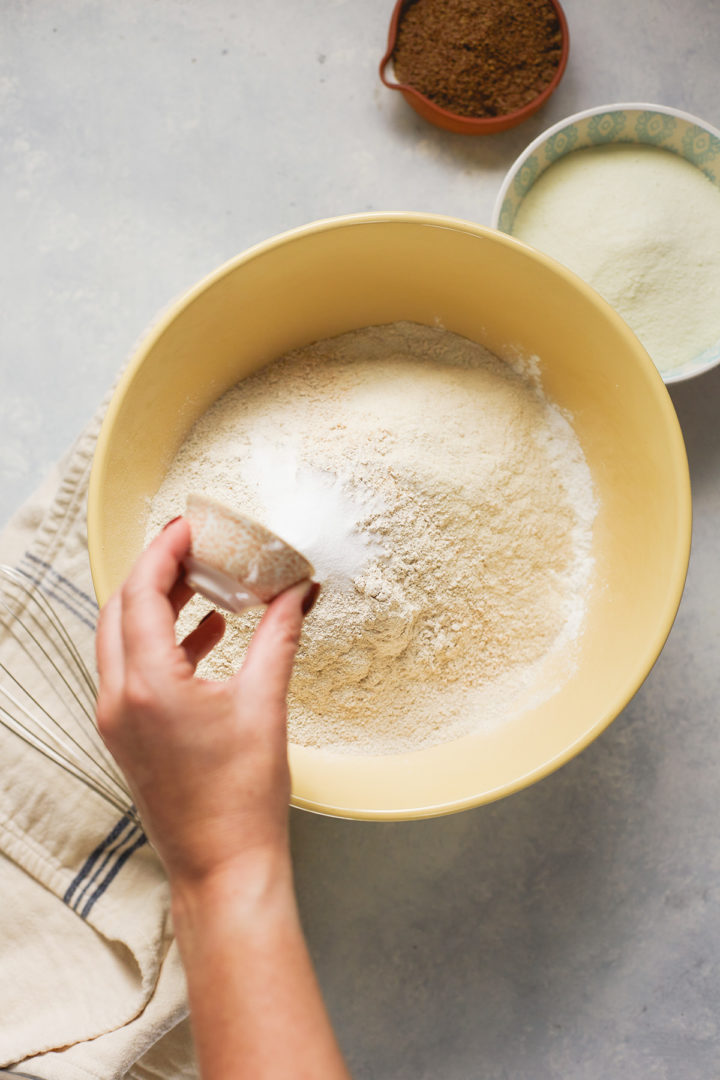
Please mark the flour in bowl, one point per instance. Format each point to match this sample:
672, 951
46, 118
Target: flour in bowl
448, 509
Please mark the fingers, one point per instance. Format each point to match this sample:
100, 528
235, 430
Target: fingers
109, 648
265, 675
204, 637
180, 594
148, 616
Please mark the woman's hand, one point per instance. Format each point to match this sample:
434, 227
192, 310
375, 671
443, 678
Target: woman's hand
207, 765
206, 761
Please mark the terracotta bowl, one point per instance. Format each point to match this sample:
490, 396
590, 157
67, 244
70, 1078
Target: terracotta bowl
468, 125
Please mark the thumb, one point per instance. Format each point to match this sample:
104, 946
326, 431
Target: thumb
269, 660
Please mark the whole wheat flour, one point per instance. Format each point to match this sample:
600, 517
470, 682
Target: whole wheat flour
448, 509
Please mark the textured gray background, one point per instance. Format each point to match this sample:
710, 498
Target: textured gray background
570, 931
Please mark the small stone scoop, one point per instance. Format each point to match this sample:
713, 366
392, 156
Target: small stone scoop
235, 561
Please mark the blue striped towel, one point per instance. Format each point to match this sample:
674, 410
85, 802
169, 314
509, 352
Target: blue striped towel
92, 985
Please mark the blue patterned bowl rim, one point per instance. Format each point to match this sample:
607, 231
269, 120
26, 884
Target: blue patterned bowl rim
710, 358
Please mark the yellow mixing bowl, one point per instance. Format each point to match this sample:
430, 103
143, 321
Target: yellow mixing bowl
342, 274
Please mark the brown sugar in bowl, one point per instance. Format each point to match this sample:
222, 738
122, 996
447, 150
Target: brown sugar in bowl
462, 124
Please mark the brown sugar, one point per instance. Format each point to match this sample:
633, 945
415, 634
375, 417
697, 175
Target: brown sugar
478, 57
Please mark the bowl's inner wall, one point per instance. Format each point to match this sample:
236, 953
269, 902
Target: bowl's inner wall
645, 126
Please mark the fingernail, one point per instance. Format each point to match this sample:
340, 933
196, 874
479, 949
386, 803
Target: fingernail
310, 597
206, 616
170, 522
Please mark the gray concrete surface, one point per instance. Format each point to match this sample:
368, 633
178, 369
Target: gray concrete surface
571, 931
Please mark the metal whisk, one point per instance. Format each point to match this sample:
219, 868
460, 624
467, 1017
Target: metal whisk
47, 694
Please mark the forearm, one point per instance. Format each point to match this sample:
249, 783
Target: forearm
256, 1007
207, 765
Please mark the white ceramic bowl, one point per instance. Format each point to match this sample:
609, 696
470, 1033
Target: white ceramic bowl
654, 125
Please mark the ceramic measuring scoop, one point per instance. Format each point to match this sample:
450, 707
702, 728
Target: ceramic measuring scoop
235, 561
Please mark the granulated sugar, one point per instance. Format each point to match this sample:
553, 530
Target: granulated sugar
448, 509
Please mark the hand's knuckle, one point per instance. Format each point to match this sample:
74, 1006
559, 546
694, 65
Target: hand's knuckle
105, 714
139, 694
287, 634
131, 590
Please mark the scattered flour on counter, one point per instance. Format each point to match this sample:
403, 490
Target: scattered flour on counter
448, 509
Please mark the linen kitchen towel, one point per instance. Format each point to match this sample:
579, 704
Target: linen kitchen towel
92, 986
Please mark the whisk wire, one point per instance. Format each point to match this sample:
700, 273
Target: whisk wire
57, 716
30, 739
52, 619
63, 740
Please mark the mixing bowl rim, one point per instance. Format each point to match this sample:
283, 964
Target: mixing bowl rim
660, 394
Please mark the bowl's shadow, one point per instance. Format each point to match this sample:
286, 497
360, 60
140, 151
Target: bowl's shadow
481, 154
695, 402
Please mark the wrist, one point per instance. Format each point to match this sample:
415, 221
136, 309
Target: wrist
257, 886
255, 1005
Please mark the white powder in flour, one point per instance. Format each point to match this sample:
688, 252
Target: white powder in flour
642, 226
448, 509
311, 510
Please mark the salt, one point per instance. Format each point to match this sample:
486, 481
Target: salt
312, 511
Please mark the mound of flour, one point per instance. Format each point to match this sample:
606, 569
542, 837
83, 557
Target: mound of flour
447, 507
